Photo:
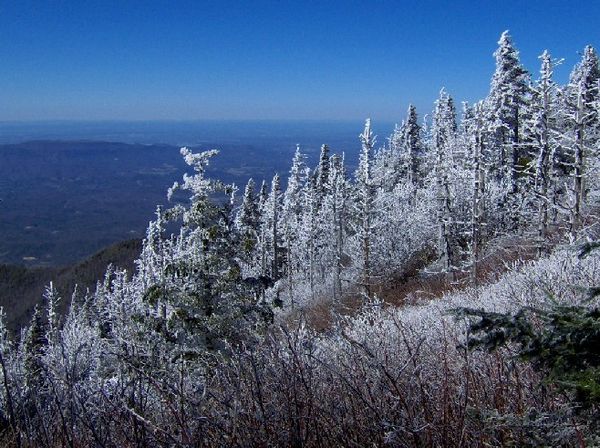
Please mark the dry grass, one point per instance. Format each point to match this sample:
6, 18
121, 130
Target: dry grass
415, 285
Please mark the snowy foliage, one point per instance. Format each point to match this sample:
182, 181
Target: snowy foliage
198, 346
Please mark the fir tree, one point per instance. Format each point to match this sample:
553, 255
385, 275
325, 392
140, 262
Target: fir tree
443, 134
247, 220
6, 349
210, 303
584, 81
581, 116
322, 173
335, 207
413, 147
541, 129
364, 203
507, 108
291, 217
34, 346
263, 195
272, 262
475, 124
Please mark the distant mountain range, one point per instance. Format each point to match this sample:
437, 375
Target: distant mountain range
68, 208
63, 200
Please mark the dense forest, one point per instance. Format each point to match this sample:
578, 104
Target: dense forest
207, 342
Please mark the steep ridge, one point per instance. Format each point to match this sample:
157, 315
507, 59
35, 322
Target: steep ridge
21, 288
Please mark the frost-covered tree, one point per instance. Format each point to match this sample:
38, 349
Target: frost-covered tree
584, 81
309, 233
263, 195
271, 231
7, 402
541, 131
34, 345
414, 148
475, 127
247, 221
335, 209
322, 173
209, 304
292, 216
507, 108
506, 105
364, 206
581, 119
443, 134
406, 152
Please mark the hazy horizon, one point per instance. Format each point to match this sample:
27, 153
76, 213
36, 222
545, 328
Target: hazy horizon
190, 132
267, 61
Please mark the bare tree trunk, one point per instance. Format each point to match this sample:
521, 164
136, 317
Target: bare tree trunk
476, 206
444, 216
366, 256
542, 177
578, 188
290, 271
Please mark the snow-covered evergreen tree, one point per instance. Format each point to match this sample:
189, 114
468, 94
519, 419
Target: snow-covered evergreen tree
414, 148
335, 210
271, 231
247, 222
506, 104
208, 302
443, 134
507, 108
34, 346
581, 119
291, 219
541, 132
475, 127
364, 206
322, 173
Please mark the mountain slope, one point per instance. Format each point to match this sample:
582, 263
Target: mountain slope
21, 288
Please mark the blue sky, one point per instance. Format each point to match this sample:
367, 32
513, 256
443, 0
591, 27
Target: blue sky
187, 60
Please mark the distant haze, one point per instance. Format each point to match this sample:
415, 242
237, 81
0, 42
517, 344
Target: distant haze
68, 192
309, 133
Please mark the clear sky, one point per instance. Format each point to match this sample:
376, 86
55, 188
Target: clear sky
187, 60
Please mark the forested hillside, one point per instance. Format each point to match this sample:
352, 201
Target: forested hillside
22, 287
201, 346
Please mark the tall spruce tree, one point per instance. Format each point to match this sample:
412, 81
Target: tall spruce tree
443, 134
335, 208
364, 203
271, 231
507, 109
541, 132
247, 220
506, 103
413, 147
34, 345
582, 117
210, 305
475, 123
322, 173
291, 217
